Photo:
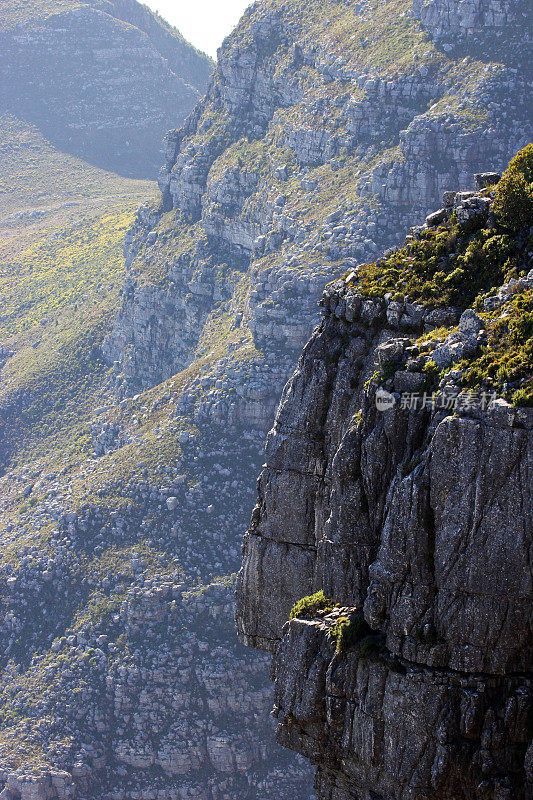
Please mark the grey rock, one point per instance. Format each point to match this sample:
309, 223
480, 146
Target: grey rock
485, 179
420, 519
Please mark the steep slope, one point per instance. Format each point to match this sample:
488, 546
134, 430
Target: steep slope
398, 483
132, 577
103, 80
158, 700
62, 225
324, 130
39, 185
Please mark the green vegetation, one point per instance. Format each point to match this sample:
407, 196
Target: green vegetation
349, 631
364, 39
60, 294
453, 264
15, 12
371, 38
250, 156
59, 269
310, 606
513, 201
36, 176
506, 362
462, 266
60, 391
449, 266
60, 280
465, 265
174, 240
359, 37
432, 372
465, 110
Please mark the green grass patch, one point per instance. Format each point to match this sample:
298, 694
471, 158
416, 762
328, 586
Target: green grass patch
506, 362
310, 606
348, 631
35, 176
61, 295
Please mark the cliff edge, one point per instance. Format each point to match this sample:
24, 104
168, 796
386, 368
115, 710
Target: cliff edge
395, 511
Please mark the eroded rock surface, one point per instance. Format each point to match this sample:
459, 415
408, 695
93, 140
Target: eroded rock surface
413, 508
398, 730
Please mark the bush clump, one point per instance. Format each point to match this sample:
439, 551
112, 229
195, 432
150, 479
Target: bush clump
505, 364
513, 201
448, 266
311, 605
432, 373
455, 263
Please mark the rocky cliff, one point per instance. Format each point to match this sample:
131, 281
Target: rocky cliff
131, 451
102, 80
398, 483
324, 132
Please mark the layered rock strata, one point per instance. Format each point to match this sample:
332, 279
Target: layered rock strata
308, 154
101, 80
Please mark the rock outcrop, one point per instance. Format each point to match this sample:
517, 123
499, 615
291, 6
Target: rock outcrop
162, 701
167, 716
407, 499
448, 20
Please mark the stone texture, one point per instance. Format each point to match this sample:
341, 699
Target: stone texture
421, 519
397, 731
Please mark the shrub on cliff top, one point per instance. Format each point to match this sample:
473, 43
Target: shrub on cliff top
505, 364
513, 201
449, 266
311, 605
453, 264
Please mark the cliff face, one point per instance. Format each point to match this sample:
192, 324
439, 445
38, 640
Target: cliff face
408, 501
101, 80
446, 19
324, 132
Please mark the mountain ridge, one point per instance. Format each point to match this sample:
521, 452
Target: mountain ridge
86, 73
318, 143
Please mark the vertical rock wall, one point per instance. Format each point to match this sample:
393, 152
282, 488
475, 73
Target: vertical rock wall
417, 521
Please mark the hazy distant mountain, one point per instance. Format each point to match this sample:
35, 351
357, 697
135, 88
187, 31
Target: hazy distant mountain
102, 80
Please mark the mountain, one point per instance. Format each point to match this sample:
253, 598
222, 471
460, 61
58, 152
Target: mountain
63, 223
73, 100
101, 80
130, 452
398, 483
